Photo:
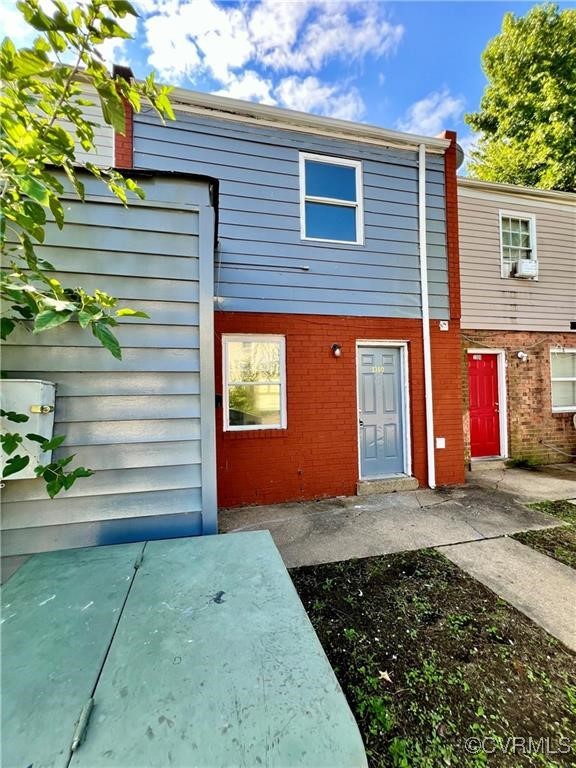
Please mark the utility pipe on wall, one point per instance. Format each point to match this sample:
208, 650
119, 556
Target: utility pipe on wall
425, 314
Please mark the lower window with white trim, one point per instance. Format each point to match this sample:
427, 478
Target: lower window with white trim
254, 380
563, 374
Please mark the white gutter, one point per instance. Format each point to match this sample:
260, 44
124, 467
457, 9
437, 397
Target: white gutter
425, 315
291, 120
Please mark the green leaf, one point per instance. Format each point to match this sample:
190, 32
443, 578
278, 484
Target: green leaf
54, 487
122, 7
112, 109
15, 464
84, 319
130, 313
10, 441
17, 418
32, 187
82, 472
107, 339
50, 319
6, 327
51, 445
57, 211
29, 62
35, 212
36, 438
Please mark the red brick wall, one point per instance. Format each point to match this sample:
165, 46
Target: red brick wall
531, 422
123, 144
317, 455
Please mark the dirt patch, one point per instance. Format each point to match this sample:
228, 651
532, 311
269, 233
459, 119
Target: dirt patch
437, 669
559, 543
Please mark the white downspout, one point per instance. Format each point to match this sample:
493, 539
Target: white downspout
425, 314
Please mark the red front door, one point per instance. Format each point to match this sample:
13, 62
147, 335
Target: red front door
484, 408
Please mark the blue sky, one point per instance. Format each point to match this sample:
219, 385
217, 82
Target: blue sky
411, 66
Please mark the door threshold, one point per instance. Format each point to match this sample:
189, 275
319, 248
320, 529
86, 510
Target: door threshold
491, 463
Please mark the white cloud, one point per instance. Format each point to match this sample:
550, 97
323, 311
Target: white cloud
249, 86
309, 94
308, 35
199, 39
432, 114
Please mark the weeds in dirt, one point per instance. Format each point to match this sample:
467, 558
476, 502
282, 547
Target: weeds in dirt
558, 543
433, 664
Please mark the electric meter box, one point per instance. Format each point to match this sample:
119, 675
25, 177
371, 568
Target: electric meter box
36, 400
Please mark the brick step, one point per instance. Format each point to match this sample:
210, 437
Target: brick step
386, 485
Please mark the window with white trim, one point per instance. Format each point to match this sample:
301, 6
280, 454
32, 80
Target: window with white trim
517, 238
563, 374
254, 380
331, 199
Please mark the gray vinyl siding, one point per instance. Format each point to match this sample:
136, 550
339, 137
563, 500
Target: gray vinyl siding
262, 265
493, 302
103, 154
143, 424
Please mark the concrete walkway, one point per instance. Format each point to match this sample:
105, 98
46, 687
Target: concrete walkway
309, 533
469, 525
546, 483
542, 588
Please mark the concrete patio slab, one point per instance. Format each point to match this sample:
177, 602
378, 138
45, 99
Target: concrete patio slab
309, 533
551, 482
538, 586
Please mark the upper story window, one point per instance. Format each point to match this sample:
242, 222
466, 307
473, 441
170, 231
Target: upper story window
254, 380
331, 199
518, 240
563, 369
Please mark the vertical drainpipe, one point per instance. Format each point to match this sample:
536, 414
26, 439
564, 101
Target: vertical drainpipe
425, 315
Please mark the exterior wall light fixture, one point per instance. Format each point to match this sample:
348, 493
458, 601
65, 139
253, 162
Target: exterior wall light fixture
522, 356
337, 350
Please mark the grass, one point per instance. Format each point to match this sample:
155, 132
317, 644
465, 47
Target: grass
429, 659
559, 543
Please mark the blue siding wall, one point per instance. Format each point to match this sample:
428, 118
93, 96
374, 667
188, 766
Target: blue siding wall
141, 422
262, 265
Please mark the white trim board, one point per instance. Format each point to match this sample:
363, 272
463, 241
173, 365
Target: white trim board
357, 205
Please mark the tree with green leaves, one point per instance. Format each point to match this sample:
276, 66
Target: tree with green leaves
45, 90
527, 116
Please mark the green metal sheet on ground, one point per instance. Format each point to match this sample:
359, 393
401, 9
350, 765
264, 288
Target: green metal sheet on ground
59, 612
215, 664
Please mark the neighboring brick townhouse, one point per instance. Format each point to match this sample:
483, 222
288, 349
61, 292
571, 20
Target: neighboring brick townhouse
518, 267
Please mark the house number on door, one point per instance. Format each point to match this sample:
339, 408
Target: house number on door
377, 369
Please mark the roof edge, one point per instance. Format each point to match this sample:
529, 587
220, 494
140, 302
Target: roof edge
534, 192
293, 120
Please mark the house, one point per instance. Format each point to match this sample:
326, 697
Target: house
518, 277
315, 351
336, 297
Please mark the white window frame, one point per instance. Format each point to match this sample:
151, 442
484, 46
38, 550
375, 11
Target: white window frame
253, 337
561, 408
358, 205
531, 218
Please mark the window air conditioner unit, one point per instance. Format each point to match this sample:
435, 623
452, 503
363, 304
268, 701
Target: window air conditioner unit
525, 268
